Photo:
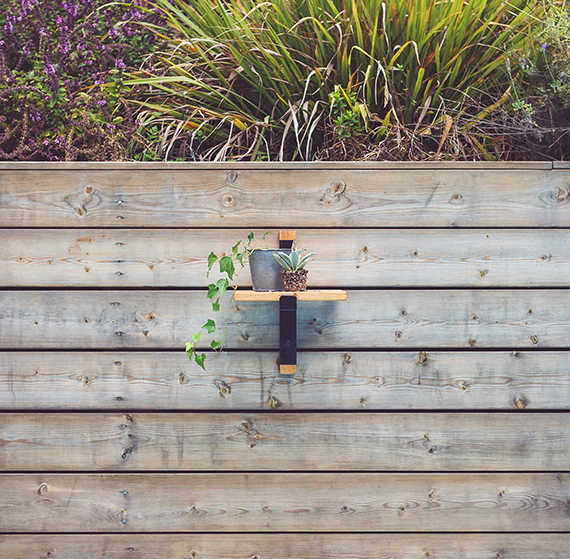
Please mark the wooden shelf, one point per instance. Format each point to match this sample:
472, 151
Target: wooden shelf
314, 295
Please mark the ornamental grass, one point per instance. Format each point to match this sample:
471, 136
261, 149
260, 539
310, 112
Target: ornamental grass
334, 79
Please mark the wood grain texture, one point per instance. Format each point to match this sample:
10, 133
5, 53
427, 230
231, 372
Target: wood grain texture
130, 166
369, 319
288, 546
310, 295
249, 381
282, 441
284, 198
345, 258
251, 502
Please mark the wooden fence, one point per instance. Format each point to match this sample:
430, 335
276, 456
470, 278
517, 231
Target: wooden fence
429, 415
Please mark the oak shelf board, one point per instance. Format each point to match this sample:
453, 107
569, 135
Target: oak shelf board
313, 295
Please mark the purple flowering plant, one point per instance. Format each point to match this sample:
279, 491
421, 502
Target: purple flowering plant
61, 77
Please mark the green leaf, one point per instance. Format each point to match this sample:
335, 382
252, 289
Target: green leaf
200, 360
283, 260
227, 266
210, 326
212, 291
222, 286
212, 258
250, 237
216, 305
216, 345
196, 337
235, 248
189, 346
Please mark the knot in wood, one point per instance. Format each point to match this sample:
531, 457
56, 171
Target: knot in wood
456, 198
231, 176
534, 340
143, 318
43, 489
334, 193
472, 342
273, 402
126, 452
561, 193
423, 357
347, 358
183, 379
225, 389
521, 404
228, 200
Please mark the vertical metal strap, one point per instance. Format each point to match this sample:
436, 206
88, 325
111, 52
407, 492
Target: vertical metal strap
288, 334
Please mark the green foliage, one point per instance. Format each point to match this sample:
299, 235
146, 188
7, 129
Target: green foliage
268, 80
555, 47
347, 113
230, 267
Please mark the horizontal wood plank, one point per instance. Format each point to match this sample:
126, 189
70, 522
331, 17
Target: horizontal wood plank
284, 198
321, 502
345, 258
130, 166
369, 319
288, 546
257, 442
310, 295
417, 380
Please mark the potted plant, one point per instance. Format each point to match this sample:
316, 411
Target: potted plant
265, 275
293, 263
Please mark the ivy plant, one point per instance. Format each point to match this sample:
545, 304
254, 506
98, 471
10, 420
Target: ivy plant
223, 291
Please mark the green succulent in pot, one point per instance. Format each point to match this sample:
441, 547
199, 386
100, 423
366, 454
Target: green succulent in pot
294, 274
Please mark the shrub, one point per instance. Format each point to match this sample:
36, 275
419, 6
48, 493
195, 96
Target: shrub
61, 72
285, 79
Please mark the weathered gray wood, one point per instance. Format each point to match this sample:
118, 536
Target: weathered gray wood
288, 546
129, 166
284, 502
345, 258
561, 165
256, 442
373, 319
324, 381
343, 196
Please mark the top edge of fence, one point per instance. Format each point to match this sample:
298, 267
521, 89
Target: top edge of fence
286, 166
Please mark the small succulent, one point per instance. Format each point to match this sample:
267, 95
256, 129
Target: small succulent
294, 261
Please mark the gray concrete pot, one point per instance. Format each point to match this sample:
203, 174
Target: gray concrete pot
265, 270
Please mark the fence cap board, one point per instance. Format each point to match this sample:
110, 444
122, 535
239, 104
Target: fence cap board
262, 165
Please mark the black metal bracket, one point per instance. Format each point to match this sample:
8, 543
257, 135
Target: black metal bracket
288, 334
